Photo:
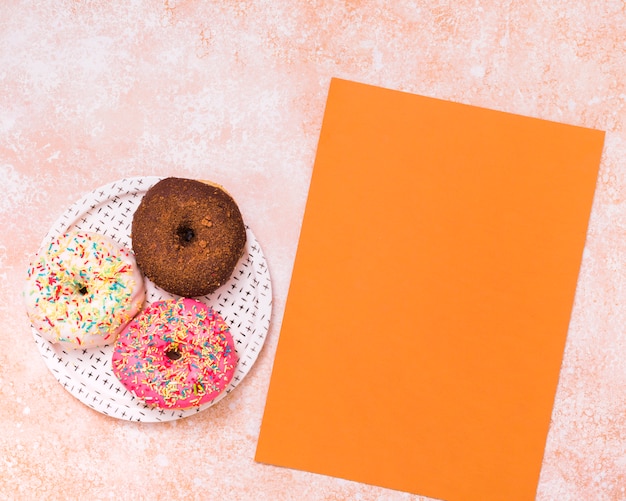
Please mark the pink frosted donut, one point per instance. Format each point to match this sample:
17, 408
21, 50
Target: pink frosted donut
82, 289
175, 354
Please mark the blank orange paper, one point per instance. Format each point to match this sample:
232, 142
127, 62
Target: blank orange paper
431, 295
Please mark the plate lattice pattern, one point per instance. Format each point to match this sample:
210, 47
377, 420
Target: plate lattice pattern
245, 302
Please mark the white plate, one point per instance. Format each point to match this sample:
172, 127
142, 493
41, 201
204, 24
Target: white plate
245, 302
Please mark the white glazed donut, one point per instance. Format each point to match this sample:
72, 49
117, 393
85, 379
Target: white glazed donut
82, 290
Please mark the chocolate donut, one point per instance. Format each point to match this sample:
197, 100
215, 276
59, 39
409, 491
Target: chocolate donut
187, 236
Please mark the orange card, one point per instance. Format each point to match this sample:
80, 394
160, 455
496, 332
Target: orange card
431, 295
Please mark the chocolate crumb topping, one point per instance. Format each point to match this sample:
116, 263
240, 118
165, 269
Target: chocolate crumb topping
178, 246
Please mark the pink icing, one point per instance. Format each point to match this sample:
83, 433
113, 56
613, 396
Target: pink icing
175, 354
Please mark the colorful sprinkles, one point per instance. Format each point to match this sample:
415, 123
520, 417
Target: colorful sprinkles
82, 289
176, 354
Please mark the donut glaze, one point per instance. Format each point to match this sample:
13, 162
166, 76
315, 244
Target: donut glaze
187, 236
82, 290
175, 354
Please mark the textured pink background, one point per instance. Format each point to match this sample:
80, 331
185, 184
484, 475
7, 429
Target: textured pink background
234, 91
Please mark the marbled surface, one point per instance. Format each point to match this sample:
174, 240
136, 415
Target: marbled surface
234, 91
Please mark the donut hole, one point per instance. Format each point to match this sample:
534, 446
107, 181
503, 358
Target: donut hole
82, 289
173, 353
185, 234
